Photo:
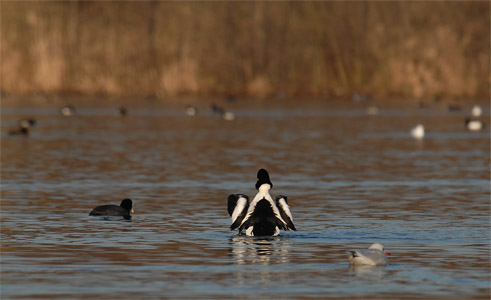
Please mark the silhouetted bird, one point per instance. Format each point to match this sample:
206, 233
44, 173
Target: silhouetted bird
124, 209
123, 111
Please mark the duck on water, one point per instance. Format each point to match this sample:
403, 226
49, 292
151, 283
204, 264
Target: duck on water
262, 216
125, 209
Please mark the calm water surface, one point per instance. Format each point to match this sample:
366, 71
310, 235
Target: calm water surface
351, 180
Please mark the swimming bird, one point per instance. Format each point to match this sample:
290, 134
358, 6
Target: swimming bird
473, 125
217, 109
375, 255
476, 111
24, 125
228, 116
418, 132
123, 111
67, 110
372, 110
124, 209
262, 216
29, 122
191, 111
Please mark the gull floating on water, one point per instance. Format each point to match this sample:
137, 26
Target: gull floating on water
228, 116
67, 110
476, 111
191, 111
372, 110
473, 125
418, 132
375, 255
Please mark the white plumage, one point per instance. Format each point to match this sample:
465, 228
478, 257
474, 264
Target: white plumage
375, 255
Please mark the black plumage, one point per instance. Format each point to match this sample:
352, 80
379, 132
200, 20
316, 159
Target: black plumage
124, 209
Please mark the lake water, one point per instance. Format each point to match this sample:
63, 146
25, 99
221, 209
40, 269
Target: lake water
351, 179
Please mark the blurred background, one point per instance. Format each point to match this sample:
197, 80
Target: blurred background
323, 50
372, 118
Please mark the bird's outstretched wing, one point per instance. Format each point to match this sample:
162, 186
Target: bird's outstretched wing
285, 213
237, 208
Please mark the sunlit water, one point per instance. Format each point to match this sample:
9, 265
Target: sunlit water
351, 180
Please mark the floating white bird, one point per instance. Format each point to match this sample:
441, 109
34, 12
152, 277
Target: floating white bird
67, 110
375, 255
476, 111
418, 132
191, 111
228, 115
263, 216
26, 123
372, 110
473, 125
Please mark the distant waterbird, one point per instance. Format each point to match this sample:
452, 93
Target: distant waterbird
191, 111
26, 123
23, 128
375, 255
67, 110
476, 111
228, 116
123, 111
418, 132
217, 109
372, 110
123, 210
473, 125
454, 108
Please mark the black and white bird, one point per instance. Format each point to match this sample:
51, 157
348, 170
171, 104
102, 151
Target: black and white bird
262, 216
24, 126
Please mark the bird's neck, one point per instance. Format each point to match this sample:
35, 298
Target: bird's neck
264, 188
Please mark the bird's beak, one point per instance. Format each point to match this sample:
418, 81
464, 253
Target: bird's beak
132, 211
387, 253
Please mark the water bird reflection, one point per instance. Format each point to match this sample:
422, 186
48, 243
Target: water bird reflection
23, 131
260, 250
368, 272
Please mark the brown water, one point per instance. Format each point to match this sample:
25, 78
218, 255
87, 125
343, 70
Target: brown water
351, 180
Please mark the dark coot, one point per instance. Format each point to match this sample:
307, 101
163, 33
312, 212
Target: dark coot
123, 210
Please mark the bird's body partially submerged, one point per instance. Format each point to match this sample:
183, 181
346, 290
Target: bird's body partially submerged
262, 216
375, 255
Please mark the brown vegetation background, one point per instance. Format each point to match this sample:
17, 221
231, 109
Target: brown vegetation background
397, 49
